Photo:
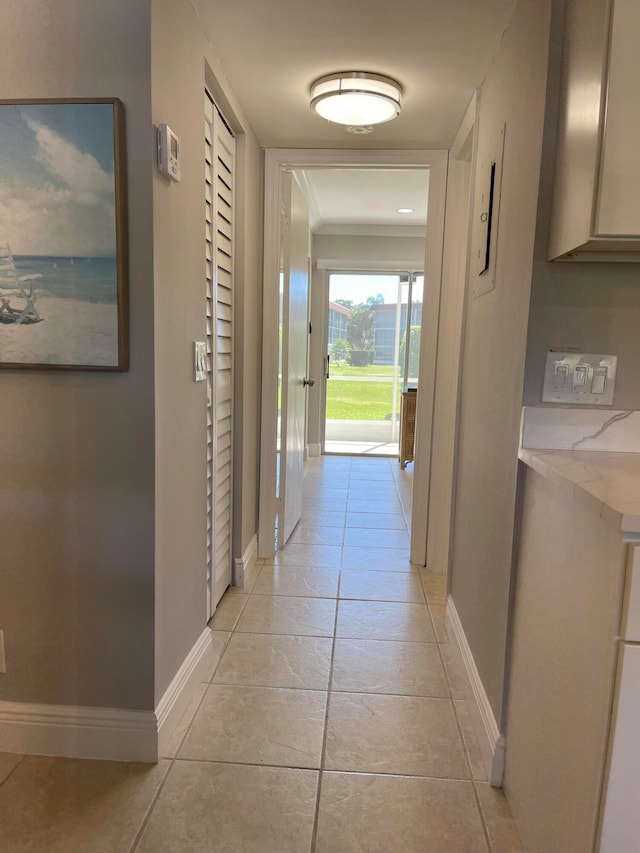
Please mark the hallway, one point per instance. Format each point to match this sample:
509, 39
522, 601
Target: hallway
332, 722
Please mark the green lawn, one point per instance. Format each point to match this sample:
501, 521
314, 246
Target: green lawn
344, 369
359, 401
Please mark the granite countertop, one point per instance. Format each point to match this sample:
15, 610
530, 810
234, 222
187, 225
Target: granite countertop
606, 481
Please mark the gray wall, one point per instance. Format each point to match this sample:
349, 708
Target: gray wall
592, 306
494, 351
77, 460
102, 476
178, 74
248, 320
182, 59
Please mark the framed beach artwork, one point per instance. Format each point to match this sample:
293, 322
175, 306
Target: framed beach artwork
63, 235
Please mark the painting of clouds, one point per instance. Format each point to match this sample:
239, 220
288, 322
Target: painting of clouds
62, 258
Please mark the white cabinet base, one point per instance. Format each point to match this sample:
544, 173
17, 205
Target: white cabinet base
621, 815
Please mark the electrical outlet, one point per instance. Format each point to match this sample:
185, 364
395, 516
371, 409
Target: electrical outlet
3, 661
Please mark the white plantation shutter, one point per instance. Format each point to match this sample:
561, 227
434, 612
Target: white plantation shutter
219, 212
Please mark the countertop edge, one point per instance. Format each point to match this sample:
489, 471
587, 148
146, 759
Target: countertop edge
558, 467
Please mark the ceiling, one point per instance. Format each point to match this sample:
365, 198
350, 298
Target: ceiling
271, 51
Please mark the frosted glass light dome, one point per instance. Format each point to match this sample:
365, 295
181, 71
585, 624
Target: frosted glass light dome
356, 98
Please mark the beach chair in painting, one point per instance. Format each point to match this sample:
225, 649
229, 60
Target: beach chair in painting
17, 298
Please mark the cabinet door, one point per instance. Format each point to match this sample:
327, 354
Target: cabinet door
621, 817
618, 208
630, 629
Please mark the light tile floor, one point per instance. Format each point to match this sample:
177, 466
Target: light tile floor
333, 720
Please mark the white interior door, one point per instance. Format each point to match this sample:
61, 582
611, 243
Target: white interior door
295, 338
219, 237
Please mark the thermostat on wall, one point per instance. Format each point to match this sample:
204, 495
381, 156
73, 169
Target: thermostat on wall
168, 152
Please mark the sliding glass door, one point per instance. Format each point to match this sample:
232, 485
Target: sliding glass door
374, 322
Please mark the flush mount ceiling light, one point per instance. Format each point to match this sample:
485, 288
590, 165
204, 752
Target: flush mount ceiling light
359, 129
406, 210
356, 98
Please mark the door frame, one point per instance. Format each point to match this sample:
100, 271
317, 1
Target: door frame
458, 232
278, 160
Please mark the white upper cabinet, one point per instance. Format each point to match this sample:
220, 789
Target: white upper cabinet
596, 201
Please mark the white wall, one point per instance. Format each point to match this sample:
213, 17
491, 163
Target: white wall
494, 351
405, 250
77, 459
566, 612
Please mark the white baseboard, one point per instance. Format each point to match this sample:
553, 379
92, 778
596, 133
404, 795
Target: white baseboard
180, 692
245, 566
315, 450
111, 734
492, 743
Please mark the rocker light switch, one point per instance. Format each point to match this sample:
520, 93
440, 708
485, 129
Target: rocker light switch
199, 361
560, 376
599, 380
571, 378
580, 378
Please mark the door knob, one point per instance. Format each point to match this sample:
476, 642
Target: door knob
309, 382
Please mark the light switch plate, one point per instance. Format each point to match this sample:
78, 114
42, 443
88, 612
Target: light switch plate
579, 378
199, 361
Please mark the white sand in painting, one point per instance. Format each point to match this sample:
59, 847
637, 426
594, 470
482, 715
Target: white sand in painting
71, 332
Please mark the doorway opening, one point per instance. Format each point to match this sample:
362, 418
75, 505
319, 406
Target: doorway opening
346, 163
374, 321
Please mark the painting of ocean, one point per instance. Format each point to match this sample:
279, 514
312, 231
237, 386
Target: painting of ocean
63, 272
76, 302
89, 279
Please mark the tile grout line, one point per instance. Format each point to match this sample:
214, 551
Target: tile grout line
465, 749
402, 506
467, 757
230, 763
147, 815
321, 771
13, 769
450, 699
476, 796
231, 634
324, 775
172, 761
329, 693
316, 817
